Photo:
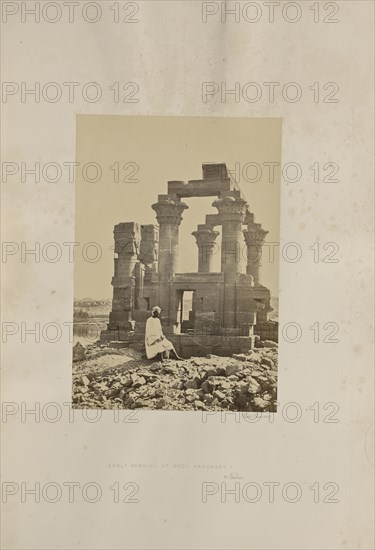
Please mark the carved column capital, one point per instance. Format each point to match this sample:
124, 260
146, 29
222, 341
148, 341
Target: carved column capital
254, 237
149, 244
254, 234
231, 209
169, 211
127, 239
205, 236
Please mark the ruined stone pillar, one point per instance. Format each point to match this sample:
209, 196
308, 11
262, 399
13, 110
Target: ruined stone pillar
232, 211
205, 237
254, 237
169, 216
127, 246
149, 245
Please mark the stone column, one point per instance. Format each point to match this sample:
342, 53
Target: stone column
254, 237
127, 246
169, 216
205, 237
149, 246
232, 210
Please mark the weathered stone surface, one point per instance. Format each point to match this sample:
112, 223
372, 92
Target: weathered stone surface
269, 344
156, 366
102, 387
129, 402
85, 380
170, 369
256, 373
260, 404
242, 386
241, 401
208, 398
178, 385
219, 394
137, 380
192, 384
232, 369
135, 384
216, 371
240, 356
267, 361
254, 386
78, 352
151, 392
208, 386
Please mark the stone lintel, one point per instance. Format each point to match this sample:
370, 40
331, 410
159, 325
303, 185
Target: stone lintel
212, 220
199, 188
214, 171
192, 278
215, 180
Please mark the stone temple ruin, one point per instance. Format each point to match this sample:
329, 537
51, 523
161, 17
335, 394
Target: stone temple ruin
227, 308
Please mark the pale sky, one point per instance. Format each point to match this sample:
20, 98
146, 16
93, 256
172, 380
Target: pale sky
158, 149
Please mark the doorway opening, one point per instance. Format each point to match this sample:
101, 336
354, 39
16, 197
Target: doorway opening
186, 311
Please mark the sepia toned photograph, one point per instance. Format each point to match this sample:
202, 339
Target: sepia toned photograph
176, 279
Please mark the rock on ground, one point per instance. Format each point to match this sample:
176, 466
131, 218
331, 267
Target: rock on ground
122, 379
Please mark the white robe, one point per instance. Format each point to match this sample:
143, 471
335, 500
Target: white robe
155, 341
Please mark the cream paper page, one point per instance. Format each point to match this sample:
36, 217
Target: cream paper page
77, 76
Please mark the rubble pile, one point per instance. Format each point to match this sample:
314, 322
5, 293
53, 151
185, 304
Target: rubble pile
121, 379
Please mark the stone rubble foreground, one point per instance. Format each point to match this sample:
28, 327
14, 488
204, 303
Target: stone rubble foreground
121, 379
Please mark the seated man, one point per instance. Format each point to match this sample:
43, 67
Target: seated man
155, 340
